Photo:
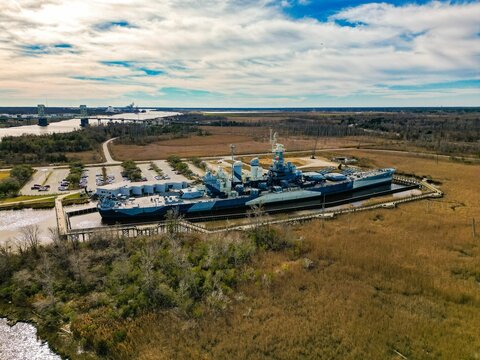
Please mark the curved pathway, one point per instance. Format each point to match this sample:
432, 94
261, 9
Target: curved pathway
106, 151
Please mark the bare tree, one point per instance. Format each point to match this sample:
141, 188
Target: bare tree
29, 239
47, 278
173, 222
147, 265
258, 215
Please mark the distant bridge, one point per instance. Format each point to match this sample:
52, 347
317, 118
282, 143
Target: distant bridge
85, 119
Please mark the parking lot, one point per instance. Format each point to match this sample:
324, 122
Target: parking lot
167, 170
54, 176
146, 172
45, 176
115, 171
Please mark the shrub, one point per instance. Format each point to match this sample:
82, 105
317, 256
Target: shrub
131, 171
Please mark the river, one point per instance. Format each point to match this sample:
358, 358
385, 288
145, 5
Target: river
20, 342
13, 221
74, 124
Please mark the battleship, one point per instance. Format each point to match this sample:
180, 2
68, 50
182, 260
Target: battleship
223, 193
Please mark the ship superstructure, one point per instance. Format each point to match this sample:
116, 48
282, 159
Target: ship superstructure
221, 193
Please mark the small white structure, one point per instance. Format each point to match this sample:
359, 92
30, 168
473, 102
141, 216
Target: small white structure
256, 171
190, 193
140, 188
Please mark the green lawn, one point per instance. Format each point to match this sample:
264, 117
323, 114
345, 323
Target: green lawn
25, 198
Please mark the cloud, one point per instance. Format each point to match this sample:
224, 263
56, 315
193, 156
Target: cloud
239, 52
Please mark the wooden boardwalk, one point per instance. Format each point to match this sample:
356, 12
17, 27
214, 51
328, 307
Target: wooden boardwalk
163, 227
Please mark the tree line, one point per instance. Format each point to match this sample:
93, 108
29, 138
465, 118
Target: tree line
19, 175
53, 148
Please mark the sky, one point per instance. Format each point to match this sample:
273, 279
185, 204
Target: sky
239, 53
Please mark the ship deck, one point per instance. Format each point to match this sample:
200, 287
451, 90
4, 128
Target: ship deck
161, 200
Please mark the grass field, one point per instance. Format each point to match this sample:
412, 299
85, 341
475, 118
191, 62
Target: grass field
86, 157
4, 175
247, 140
25, 198
381, 283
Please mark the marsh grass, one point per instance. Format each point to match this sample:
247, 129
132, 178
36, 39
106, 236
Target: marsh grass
369, 285
404, 280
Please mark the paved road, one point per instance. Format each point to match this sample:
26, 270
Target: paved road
106, 152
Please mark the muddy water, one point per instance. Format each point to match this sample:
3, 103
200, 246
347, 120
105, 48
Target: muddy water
12, 222
86, 221
19, 342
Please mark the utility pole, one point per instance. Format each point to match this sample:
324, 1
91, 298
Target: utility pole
323, 211
232, 148
316, 142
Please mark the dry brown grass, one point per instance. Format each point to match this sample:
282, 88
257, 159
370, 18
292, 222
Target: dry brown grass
247, 139
86, 157
405, 280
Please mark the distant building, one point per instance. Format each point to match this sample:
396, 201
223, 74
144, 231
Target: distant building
111, 110
344, 160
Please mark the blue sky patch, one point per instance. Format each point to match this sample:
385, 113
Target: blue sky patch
342, 22
35, 49
113, 24
118, 63
152, 72
44, 49
135, 66
323, 9
63, 46
174, 91
459, 84
92, 78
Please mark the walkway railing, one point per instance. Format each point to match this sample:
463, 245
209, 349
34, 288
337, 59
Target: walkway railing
136, 230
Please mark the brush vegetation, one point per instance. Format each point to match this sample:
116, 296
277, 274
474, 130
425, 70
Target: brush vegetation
97, 287
75, 175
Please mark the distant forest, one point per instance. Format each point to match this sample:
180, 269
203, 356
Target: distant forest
443, 131
447, 132
52, 148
